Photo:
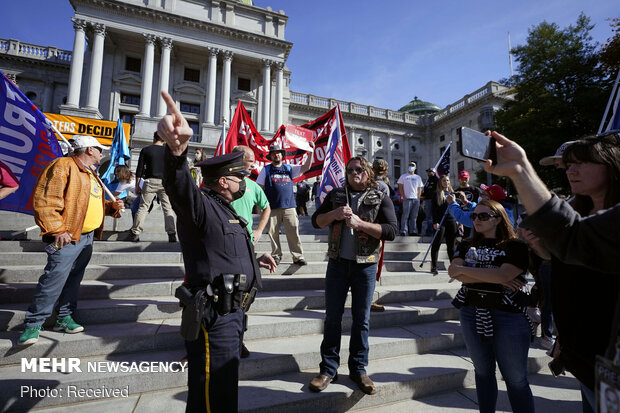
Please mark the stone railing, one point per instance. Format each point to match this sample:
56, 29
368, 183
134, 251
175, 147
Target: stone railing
16, 48
488, 89
353, 108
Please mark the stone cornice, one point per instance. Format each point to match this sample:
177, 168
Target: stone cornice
36, 62
163, 16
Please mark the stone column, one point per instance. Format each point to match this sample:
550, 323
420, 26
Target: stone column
279, 93
147, 75
94, 84
77, 64
265, 124
211, 77
225, 109
389, 153
164, 73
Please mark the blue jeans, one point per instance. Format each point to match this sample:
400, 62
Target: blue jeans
342, 274
546, 316
427, 225
60, 281
410, 216
509, 347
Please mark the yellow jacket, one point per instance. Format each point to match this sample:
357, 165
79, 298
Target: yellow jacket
61, 196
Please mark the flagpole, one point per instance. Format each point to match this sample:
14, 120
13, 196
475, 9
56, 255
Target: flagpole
611, 98
434, 236
105, 188
223, 136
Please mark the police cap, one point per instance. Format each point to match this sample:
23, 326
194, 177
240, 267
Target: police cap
229, 164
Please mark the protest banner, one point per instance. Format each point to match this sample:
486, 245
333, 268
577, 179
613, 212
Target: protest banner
27, 144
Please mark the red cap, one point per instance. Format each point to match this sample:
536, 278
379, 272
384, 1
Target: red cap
496, 192
463, 174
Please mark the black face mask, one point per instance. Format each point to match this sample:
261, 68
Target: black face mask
241, 191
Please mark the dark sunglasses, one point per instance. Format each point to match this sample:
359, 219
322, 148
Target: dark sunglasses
483, 216
358, 170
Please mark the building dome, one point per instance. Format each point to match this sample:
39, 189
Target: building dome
419, 107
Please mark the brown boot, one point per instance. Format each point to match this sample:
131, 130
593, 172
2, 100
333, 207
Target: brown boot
377, 308
364, 383
320, 382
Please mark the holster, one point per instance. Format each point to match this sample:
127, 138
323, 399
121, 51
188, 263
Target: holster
228, 290
193, 311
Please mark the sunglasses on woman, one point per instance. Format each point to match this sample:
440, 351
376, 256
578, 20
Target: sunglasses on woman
483, 216
358, 170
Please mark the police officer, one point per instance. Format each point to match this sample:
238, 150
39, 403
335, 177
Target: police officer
214, 241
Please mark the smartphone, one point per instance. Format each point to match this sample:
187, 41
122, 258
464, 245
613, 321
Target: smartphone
52, 248
476, 145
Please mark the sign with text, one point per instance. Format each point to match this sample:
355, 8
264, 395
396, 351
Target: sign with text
103, 130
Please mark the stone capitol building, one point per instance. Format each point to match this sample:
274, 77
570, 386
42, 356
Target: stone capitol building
210, 54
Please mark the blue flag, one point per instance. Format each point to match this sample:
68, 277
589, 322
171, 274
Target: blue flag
443, 164
27, 144
119, 155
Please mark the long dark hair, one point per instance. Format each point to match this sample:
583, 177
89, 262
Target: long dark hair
600, 151
440, 193
371, 183
503, 231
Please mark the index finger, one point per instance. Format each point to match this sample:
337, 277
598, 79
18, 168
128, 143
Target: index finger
172, 107
501, 139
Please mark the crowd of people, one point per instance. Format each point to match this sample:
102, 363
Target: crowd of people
567, 245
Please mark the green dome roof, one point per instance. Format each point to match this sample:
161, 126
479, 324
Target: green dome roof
419, 107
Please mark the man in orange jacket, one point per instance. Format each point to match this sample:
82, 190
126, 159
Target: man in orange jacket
69, 207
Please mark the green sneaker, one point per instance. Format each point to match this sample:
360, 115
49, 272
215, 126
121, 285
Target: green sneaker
29, 336
68, 325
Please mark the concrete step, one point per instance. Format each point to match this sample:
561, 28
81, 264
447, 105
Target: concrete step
405, 272
61, 384
164, 246
117, 310
95, 289
21, 292
405, 362
551, 394
163, 257
267, 310
96, 340
398, 378
295, 322
31, 273
97, 258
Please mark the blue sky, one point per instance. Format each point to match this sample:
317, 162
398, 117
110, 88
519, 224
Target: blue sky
374, 53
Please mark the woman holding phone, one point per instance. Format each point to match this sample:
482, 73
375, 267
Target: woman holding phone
492, 306
443, 222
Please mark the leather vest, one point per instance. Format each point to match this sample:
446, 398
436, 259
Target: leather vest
367, 248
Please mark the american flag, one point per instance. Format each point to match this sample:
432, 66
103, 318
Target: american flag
337, 152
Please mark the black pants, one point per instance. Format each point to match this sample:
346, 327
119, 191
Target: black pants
213, 364
447, 229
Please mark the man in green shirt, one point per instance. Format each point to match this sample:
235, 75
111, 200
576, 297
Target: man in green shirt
253, 196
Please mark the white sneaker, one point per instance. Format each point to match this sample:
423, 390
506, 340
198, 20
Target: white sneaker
547, 343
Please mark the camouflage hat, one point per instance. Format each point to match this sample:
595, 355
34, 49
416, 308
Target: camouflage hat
380, 165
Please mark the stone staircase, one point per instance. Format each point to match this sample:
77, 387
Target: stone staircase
130, 315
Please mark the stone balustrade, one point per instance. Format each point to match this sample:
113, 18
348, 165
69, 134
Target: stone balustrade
487, 90
353, 108
32, 51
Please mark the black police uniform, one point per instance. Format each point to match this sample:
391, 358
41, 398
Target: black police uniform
213, 242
